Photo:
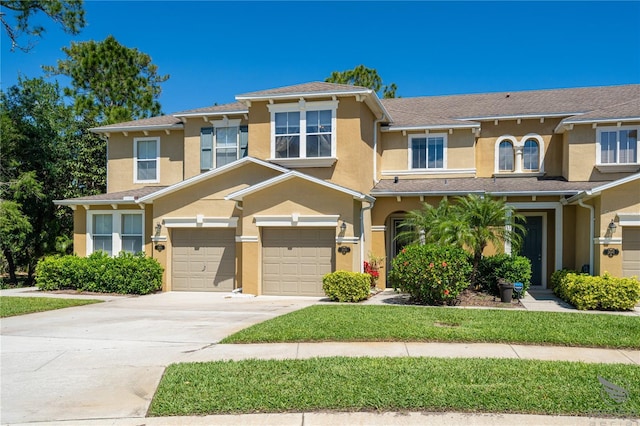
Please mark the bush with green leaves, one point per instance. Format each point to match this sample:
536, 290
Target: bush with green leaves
432, 274
345, 286
604, 292
556, 279
512, 268
125, 274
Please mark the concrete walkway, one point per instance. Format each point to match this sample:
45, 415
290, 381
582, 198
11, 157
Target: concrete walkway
100, 364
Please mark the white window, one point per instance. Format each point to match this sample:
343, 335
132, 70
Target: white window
146, 161
617, 145
303, 133
519, 155
222, 144
428, 151
115, 231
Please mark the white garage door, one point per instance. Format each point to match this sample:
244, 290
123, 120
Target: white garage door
295, 260
203, 259
631, 251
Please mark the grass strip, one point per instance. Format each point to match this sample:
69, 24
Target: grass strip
11, 306
392, 384
352, 323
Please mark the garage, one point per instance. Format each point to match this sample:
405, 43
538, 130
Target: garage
631, 251
203, 259
295, 260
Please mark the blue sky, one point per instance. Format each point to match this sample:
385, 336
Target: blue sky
216, 50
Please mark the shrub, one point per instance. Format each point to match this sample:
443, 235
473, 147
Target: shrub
556, 279
512, 268
605, 292
344, 286
125, 274
431, 274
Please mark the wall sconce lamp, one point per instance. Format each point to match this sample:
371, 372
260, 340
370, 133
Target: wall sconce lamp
612, 226
343, 227
158, 228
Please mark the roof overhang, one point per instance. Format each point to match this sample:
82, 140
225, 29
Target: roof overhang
211, 113
478, 192
207, 175
148, 128
594, 192
431, 127
568, 124
521, 116
239, 195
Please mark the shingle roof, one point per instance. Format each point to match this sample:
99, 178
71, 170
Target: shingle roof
569, 102
313, 87
628, 110
232, 107
163, 120
456, 186
114, 197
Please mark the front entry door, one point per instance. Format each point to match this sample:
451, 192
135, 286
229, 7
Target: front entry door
532, 247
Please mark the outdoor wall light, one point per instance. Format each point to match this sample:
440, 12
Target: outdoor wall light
158, 228
612, 226
343, 227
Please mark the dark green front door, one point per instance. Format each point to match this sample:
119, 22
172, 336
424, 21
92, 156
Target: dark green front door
532, 247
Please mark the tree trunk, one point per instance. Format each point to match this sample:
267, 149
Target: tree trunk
30, 271
12, 266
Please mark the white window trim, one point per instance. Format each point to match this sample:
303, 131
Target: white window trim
217, 124
518, 161
135, 159
302, 106
616, 129
116, 229
445, 144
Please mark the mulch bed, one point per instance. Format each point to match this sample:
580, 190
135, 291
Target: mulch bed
466, 298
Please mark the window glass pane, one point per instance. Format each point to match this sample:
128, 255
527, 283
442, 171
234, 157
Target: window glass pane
132, 244
226, 136
132, 224
287, 147
608, 147
312, 122
325, 120
419, 153
628, 146
435, 153
319, 145
530, 155
206, 148
226, 156
102, 244
102, 224
147, 150
506, 154
287, 123
146, 170
244, 141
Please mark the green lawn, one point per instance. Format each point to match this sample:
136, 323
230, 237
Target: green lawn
10, 306
390, 384
322, 323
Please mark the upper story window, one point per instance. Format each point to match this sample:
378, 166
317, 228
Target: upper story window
617, 145
222, 144
114, 232
524, 155
146, 161
428, 151
303, 133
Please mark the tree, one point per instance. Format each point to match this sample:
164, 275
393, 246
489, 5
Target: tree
68, 13
14, 231
472, 222
366, 77
111, 83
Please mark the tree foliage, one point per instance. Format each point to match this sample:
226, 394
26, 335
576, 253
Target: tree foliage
44, 158
110, 83
68, 13
365, 77
472, 222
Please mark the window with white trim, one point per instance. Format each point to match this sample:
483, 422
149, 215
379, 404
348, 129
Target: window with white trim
303, 130
506, 156
115, 231
530, 155
146, 161
519, 155
617, 145
222, 144
428, 151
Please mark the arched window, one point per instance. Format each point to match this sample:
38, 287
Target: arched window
531, 155
506, 156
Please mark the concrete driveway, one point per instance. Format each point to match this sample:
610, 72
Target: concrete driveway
105, 360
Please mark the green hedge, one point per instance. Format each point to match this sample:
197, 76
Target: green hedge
605, 293
431, 274
512, 268
125, 274
344, 286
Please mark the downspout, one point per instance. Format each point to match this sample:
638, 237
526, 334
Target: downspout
371, 203
591, 232
375, 147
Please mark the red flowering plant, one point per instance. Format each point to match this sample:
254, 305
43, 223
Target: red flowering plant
372, 268
432, 274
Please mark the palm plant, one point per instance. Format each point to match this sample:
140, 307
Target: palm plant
426, 226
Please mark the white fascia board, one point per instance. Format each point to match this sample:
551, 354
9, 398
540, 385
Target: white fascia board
212, 113
200, 222
93, 202
238, 195
522, 116
602, 120
298, 95
203, 176
150, 128
419, 193
529, 193
426, 172
297, 220
598, 189
434, 127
